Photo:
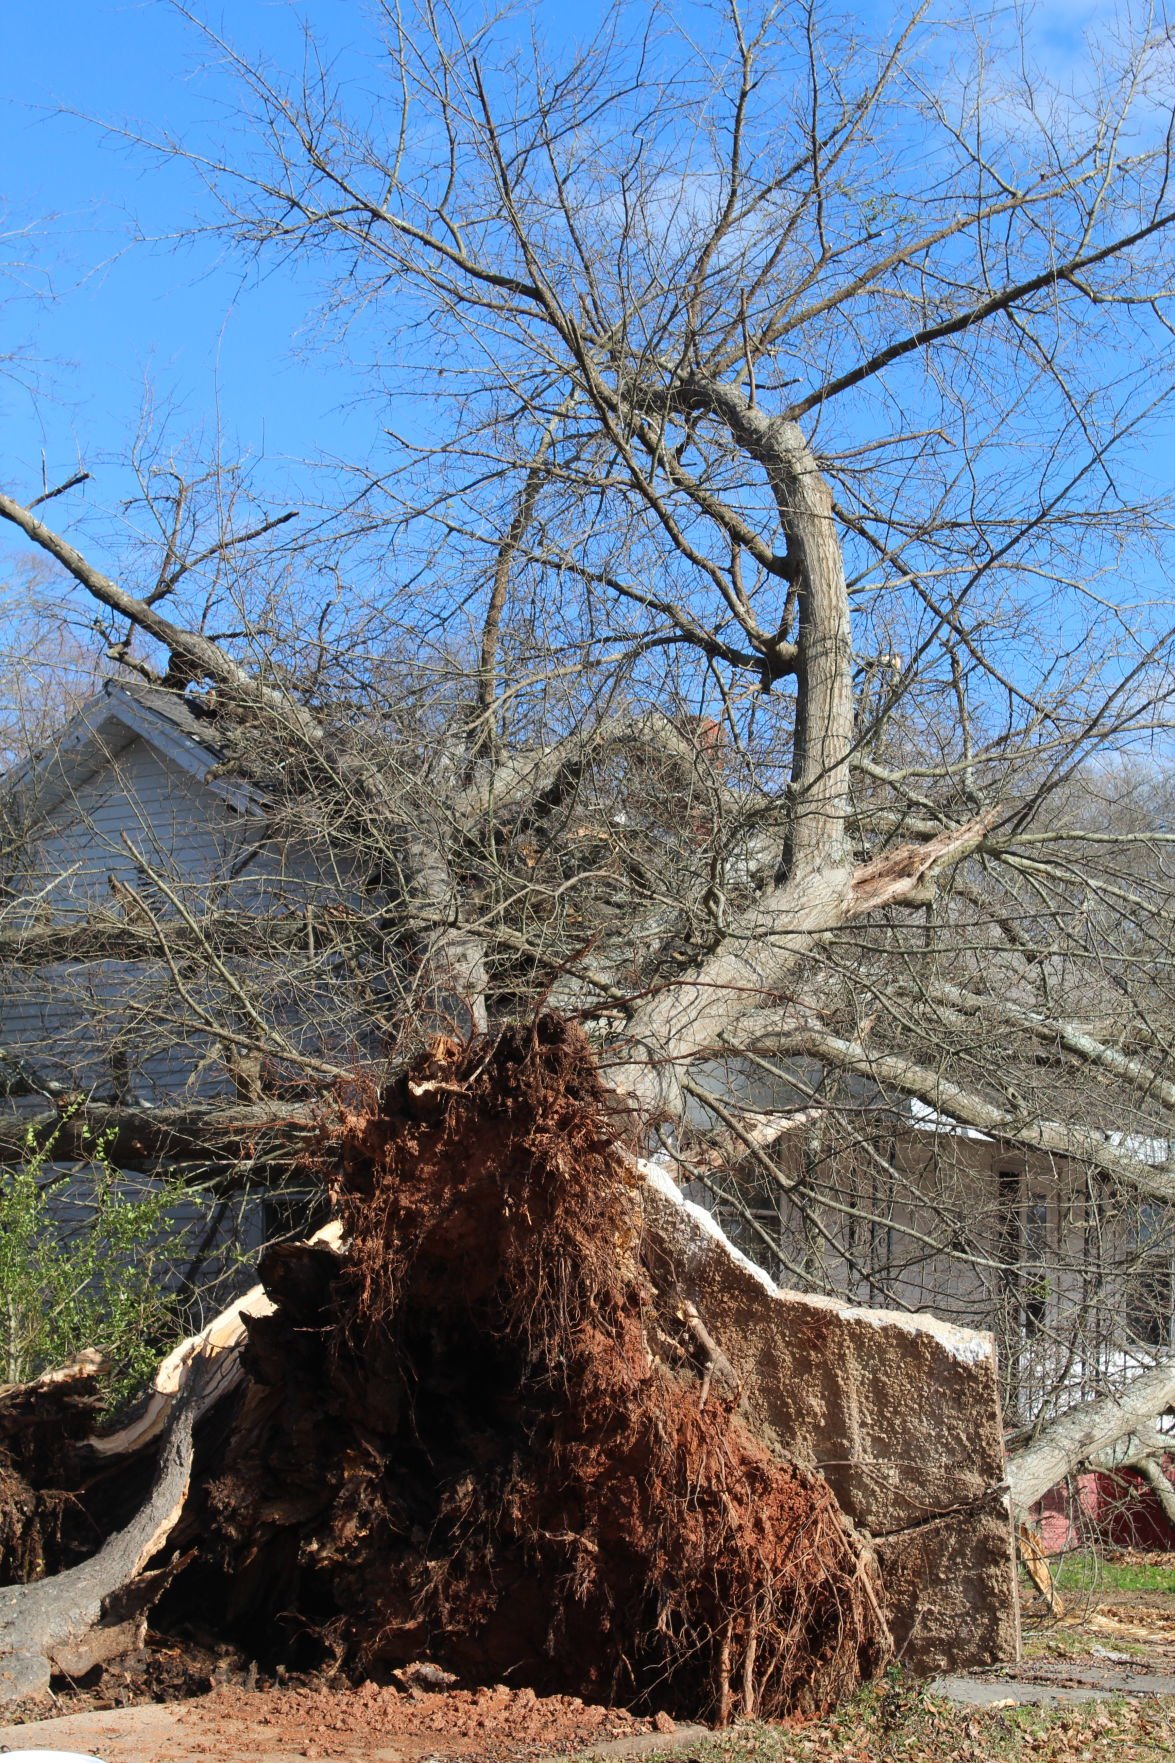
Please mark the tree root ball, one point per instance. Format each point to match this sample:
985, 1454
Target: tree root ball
484, 1434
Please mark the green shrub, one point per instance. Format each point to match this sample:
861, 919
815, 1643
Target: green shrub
100, 1283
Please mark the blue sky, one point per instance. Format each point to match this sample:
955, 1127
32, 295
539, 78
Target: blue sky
109, 325
129, 321
217, 348
106, 323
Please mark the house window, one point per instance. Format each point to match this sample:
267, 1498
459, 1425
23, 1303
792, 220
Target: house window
1153, 1297
1024, 1252
1036, 1256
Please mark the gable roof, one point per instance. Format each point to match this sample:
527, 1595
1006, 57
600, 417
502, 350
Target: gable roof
104, 727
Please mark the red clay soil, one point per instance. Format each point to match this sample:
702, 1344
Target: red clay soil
487, 1435
493, 1722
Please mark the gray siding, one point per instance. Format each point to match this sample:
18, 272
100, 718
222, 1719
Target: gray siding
127, 813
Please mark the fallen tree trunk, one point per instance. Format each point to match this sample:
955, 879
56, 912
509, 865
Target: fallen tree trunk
214, 1135
1160, 1484
53, 1623
1085, 1430
1146, 1451
73, 1619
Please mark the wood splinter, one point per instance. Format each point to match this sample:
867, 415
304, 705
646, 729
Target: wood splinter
716, 1359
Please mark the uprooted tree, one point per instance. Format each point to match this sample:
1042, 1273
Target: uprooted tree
739, 651
485, 1431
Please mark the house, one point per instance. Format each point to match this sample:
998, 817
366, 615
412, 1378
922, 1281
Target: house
127, 821
128, 816
886, 1202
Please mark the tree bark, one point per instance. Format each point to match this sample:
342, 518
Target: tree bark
90, 1612
1072, 1037
210, 1135
1160, 1484
1144, 1451
681, 1022
818, 888
43, 1626
1083, 1431
711, 1009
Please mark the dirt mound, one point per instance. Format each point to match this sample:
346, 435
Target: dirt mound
492, 1720
490, 1432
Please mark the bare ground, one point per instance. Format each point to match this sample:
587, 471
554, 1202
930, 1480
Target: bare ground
376, 1722
1118, 1640
894, 1722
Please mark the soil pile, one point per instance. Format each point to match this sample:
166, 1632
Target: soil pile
489, 1433
491, 1721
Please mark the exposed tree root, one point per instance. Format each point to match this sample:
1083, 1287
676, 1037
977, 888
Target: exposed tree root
43, 1525
57, 1623
486, 1431
482, 1434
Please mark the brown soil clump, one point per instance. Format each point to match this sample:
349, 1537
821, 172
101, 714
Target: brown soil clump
492, 1721
486, 1434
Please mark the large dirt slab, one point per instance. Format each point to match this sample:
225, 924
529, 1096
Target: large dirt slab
899, 1413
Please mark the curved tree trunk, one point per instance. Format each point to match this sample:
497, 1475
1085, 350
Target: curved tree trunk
818, 889
53, 1623
1086, 1429
766, 941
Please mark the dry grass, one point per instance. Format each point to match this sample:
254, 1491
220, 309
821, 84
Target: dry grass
898, 1722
